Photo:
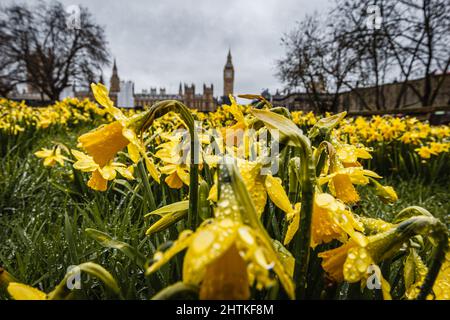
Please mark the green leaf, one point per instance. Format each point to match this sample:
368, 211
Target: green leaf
169, 215
107, 241
170, 208
411, 211
277, 124
325, 125
166, 221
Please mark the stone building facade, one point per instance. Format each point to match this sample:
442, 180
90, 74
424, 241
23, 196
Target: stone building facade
202, 101
362, 99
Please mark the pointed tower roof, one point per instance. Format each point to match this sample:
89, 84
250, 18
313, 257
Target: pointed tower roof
229, 63
115, 66
114, 83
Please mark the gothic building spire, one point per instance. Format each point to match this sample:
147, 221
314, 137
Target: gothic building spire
115, 66
114, 83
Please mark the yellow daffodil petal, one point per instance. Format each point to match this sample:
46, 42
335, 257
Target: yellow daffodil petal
342, 187
209, 243
183, 175
294, 223
333, 260
50, 161
133, 152
161, 258
127, 172
174, 181
84, 162
44, 153
101, 94
151, 168
226, 278
357, 264
103, 143
19, 291
97, 182
258, 194
277, 194
213, 193
108, 172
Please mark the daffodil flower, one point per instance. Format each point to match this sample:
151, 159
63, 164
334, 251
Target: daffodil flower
231, 135
174, 162
225, 256
51, 156
425, 152
330, 220
106, 141
341, 181
100, 175
353, 263
259, 186
349, 154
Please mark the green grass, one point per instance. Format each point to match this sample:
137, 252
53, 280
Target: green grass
42, 226
414, 192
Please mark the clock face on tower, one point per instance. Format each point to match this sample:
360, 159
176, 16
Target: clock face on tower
228, 74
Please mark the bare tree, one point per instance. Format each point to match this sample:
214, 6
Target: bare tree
50, 55
370, 45
410, 43
425, 45
11, 71
317, 62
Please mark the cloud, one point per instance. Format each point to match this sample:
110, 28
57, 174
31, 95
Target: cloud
160, 43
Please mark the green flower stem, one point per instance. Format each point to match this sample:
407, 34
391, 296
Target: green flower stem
193, 183
290, 134
302, 238
161, 108
147, 187
293, 181
177, 291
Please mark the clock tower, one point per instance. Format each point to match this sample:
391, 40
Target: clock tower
228, 76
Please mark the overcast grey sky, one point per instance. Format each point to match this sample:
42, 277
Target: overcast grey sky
160, 43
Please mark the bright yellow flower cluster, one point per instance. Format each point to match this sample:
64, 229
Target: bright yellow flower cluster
16, 117
230, 251
426, 140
